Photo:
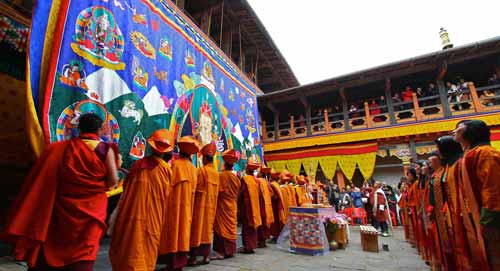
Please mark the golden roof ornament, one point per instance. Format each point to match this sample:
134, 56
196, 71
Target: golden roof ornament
445, 39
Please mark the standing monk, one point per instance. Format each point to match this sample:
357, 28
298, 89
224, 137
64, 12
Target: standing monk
174, 246
205, 203
141, 211
479, 190
284, 179
249, 209
278, 207
266, 207
226, 215
59, 216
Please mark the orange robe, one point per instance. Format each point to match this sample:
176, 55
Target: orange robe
226, 215
278, 210
480, 194
265, 189
249, 207
141, 216
179, 208
286, 200
414, 205
205, 204
293, 195
301, 195
61, 208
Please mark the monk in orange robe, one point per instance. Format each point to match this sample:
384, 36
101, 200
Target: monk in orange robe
479, 193
249, 209
412, 206
292, 192
226, 215
205, 203
175, 239
284, 179
59, 216
278, 203
141, 212
266, 208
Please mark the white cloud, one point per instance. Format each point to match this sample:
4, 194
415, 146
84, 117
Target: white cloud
325, 38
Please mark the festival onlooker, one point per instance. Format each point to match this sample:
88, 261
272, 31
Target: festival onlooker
432, 90
407, 94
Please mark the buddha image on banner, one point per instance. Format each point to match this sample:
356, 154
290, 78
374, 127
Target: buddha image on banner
142, 67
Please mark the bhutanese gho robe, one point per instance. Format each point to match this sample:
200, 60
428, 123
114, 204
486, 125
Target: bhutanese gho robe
175, 241
452, 209
61, 210
141, 215
249, 208
480, 185
414, 205
205, 204
278, 210
226, 220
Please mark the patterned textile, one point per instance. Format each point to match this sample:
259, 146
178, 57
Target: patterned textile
141, 66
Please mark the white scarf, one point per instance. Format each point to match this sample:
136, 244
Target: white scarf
375, 205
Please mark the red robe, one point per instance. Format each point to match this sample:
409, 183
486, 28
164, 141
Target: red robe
249, 209
278, 210
68, 187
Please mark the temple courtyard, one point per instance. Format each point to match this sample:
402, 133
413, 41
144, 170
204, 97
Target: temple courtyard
401, 256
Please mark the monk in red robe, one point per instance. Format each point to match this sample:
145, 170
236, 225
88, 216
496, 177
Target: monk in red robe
226, 215
205, 204
141, 212
249, 209
175, 240
266, 208
479, 190
59, 216
278, 207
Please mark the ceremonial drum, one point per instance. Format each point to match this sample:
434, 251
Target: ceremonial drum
369, 238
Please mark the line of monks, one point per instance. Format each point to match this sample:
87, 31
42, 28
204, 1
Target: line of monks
167, 214
452, 215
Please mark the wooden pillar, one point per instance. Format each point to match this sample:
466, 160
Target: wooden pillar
367, 116
388, 101
227, 40
340, 179
418, 114
475, 98
276, 125
345, 110
308, 119
221, 24
443, 96
327, 122
413, 150
206, 20
292, 126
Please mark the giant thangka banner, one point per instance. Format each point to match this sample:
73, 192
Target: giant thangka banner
140, 66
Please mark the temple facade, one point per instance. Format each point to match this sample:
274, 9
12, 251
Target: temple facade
368, 124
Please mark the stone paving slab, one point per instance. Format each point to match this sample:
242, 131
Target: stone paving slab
400, 257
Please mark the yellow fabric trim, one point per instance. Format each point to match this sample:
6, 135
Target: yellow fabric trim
495, 144
425, 149
385, 132
278, 166
310, 166
328, 166
366, 164
47, 47
33, 127
347, 164
294, 166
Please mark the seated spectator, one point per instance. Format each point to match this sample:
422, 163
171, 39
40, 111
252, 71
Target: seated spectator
353, 109
302, 124
396, 99
375, 111
382, 101
453, 95
407, 94
494, 80
432, 90
486, 98
420, 93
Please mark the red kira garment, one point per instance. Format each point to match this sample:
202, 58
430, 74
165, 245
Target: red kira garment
61, 208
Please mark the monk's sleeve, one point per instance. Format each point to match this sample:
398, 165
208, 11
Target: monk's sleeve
488, 180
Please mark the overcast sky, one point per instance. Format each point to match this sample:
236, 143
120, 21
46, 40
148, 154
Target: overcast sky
321, 39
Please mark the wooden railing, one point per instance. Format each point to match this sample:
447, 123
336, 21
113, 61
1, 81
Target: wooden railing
469, 101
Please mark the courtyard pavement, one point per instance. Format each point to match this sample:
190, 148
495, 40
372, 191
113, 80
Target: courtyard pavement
401, 256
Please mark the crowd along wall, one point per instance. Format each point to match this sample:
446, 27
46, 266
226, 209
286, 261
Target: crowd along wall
141, 65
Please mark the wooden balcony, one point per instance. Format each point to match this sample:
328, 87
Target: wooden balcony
468, 103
